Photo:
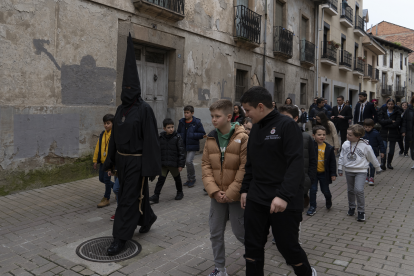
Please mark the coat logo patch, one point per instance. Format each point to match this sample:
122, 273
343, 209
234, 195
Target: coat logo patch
273, 131
237, 141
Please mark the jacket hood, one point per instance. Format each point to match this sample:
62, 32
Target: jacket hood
130, 78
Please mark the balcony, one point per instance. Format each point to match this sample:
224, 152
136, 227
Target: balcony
346, 16
375, 75
345, 62
247, 26
330, 6
367, 72
282, 43
328, 53
359, 26
400, 91
307, 53
386, 90
169, 10
358, 67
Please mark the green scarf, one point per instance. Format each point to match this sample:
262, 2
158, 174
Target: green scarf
224, 139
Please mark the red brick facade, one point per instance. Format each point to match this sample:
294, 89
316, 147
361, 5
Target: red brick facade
394, 33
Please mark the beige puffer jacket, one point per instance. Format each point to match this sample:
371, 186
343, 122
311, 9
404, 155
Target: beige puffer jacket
226, 177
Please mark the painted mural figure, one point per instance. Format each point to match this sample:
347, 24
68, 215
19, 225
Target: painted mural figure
135, 152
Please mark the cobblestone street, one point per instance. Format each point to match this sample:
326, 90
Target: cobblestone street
40, 230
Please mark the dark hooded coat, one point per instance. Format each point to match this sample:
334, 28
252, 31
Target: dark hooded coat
135, 132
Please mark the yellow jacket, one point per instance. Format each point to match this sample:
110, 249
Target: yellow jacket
104, 146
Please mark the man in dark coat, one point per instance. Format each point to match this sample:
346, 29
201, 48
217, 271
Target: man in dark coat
341, 114
328, 108
364, 110
320, 107
135, 152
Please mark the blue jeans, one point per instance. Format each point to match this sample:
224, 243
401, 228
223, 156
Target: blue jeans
115, 188
371, 171
104, 178
324, 188
392, 147
189, 157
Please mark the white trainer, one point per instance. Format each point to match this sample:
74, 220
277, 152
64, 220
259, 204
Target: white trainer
314, 271
217, 272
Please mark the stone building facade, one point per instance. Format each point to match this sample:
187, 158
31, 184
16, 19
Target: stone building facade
62, 65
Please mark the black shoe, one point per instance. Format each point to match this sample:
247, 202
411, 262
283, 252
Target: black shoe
145, 229
116, 247
401, 152
390, 167
351, 212
383, 167
305, 201
154, 199
328, 204
406, 155
179, 196
361, 216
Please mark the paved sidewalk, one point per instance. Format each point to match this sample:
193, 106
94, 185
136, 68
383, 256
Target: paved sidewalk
40, 230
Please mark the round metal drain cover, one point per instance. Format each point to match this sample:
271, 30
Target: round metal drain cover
95, 250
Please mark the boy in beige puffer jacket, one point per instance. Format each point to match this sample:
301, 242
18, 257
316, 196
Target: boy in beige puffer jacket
223, 163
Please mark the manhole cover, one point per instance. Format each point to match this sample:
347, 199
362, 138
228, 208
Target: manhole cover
95, 250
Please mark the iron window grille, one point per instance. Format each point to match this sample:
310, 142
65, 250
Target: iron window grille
346, 12
400, 91
386, 90
307, 51
368, 70
377, 73
247, 24
359, 24
173, 5
329, 51
283, 41
346, 58
358, 65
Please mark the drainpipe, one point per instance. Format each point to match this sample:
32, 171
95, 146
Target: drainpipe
264, 51
317, 49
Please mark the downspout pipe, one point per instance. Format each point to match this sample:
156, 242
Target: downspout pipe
264, 49
318, 52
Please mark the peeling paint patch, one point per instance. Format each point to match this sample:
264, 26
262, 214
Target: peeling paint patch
203, 94
223, 4
218, 24
38, 135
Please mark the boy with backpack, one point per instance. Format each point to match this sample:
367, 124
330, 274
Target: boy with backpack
377, 145
172, 160
99, 157
191, 130
223, 162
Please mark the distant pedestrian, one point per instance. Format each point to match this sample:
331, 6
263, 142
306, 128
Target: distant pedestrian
288, 101
320, 103
364, 110
172, 160
326, 169
99, 157
407, 129
354, 160
328, 108
402, 142
191, 130
238, 114
341, 115
377, 145
303, 119
223, 162
331, 132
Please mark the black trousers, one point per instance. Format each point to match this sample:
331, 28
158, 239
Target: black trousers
404, 144
285, 229
128, 215
343, 132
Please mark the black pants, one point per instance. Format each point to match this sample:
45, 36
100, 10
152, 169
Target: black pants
128, 215
343, 132
404, 144
285, 229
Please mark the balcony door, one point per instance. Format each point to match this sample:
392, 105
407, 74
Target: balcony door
153, 72
243, 3
398, 82
279, 14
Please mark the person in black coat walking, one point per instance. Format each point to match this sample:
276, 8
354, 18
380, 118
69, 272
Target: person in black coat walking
364, 110
390, 119
172, 160
407, 129
404, 142
341, 114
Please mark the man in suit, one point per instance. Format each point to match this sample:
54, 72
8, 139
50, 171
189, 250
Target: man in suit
341, 114
364, 110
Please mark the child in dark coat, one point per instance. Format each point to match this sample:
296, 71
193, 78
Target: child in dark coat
326, 169
377, 144
172, 160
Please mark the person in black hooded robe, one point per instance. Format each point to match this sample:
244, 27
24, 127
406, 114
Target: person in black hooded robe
135, 152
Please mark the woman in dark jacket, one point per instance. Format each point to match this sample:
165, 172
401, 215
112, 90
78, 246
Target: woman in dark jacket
238, 114
407, 128
404, 145
389, 118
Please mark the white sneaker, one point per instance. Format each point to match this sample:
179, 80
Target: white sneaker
217, 272
366, 180
314, 271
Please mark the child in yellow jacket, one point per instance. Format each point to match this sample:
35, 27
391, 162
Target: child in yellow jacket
101, 151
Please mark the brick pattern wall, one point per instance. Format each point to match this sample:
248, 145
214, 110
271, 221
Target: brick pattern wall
395, 33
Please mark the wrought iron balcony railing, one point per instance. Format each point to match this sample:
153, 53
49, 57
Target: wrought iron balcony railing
247, 24
386, 90
345, 58
307, 51
376, 74
347, 12
359, 23
329, 51
283, 41
399, 91
358, 65
173, 5
332, 3
368, 70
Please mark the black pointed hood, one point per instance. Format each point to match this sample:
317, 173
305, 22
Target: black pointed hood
131, 78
